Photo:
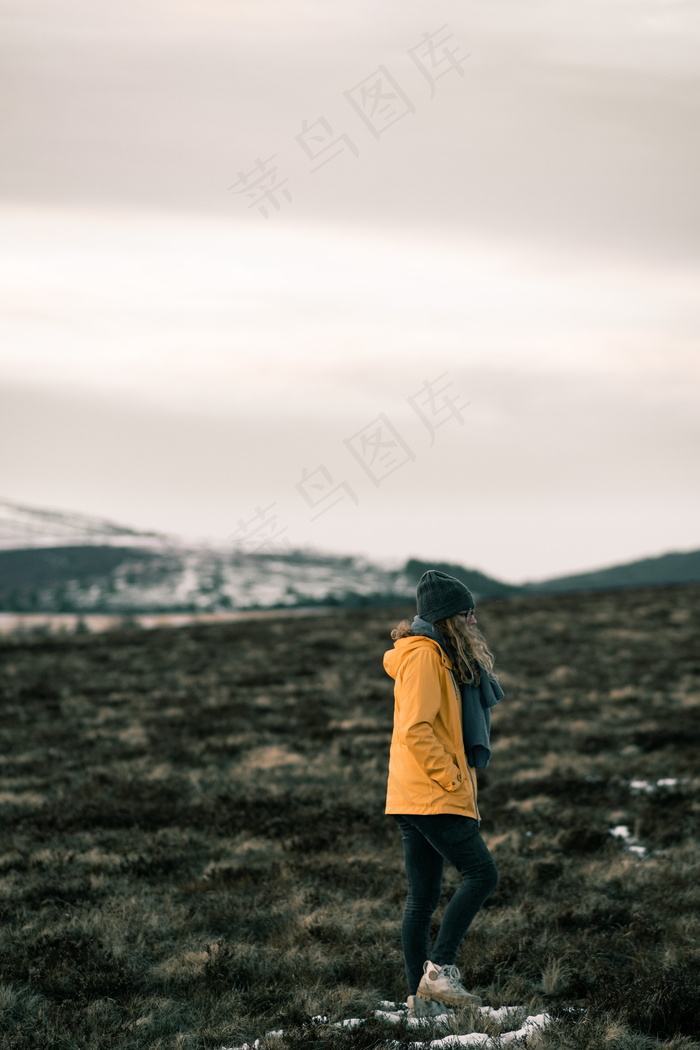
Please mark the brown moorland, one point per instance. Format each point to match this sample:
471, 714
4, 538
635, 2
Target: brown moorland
194, 850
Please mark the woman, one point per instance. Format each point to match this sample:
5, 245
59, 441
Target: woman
441, 732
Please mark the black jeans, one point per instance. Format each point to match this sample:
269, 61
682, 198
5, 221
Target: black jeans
429, 841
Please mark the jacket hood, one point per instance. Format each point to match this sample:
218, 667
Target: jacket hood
421, 626
393, 658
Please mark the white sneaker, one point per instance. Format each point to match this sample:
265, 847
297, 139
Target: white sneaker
442, 983
427, 1008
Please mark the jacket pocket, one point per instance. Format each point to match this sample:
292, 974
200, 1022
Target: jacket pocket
458, 778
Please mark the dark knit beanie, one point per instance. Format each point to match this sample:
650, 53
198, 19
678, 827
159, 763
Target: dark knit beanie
439, 596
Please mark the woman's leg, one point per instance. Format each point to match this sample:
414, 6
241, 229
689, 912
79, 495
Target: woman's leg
458, 840
424, 866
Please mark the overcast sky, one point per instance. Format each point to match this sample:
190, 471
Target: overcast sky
396, 279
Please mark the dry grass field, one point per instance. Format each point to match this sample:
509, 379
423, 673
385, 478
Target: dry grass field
194, 850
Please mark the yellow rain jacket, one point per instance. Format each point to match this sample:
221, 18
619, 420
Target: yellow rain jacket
428, 769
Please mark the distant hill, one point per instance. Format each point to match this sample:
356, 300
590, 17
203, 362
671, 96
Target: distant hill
22, 526
131, 580
675, 567
54, 562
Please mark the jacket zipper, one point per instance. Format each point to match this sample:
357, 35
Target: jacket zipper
466, 760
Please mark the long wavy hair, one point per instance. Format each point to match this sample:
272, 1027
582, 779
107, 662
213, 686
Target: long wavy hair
464, 644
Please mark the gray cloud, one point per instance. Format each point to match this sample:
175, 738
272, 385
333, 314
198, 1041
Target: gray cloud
570, 139
572, 123
545, 474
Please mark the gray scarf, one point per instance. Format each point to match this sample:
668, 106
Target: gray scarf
477, 702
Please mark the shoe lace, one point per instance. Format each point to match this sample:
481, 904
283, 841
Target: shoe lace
452, 974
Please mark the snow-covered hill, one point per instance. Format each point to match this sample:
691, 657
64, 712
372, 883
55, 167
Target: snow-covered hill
52, 562
23, 527
56, 562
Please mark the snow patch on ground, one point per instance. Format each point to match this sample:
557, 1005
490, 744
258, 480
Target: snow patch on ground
622, 832
396, 1012
646, 787
530, 1025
